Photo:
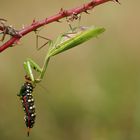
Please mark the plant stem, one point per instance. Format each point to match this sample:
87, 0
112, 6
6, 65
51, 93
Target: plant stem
61, 14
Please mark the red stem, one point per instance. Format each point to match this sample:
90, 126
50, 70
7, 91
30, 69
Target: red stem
57, 17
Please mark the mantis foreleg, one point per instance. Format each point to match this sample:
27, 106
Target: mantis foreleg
29, 64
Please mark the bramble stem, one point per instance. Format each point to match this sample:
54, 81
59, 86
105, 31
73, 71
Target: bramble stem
62, 13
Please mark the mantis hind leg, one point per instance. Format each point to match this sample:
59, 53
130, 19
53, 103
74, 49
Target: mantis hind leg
37, 42
48, 41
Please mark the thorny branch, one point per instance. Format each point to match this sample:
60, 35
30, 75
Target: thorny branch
18, 34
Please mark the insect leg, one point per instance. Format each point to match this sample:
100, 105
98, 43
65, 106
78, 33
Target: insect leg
73, 17
37, 40
29, 65
3, 35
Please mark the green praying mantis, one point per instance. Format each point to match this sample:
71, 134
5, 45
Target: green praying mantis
63, 42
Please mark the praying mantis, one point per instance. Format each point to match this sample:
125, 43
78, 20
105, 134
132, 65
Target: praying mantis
63, 42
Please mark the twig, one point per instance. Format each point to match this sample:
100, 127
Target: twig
56, 18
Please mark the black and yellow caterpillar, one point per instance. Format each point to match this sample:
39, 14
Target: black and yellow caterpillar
26, 97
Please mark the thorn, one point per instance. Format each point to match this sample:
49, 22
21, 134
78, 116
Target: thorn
86, 12
33, 22
46, 20
58, 21
85, 9
63, 12
93, 3
117, 1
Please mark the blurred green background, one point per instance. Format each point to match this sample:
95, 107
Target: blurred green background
91, 92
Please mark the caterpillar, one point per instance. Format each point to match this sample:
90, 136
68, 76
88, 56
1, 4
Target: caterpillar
26, 97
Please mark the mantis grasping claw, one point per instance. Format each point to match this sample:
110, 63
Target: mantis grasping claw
63, 42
